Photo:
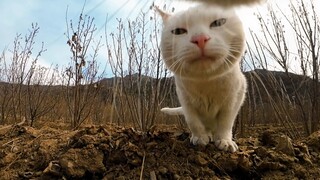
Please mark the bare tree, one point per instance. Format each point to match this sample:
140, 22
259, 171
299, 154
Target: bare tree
15, 71
39, 97
307, 31
5, 98
140, 83
277, 44
83, 73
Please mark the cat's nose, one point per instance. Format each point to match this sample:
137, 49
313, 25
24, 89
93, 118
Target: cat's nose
200, 40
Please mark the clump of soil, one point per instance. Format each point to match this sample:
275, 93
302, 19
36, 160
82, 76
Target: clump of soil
113, 152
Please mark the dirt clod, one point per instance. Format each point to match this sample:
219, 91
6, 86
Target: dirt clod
112, 152
285, 145
77, 162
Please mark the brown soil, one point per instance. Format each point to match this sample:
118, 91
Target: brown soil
112, 152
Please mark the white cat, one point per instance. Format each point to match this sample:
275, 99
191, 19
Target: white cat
203, 46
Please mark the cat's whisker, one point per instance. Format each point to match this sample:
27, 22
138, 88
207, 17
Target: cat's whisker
234, 54
176, 63
236, 50
173, 66
228, 62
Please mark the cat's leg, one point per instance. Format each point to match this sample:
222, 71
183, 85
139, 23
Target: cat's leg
225, 120
223, 131
200, 135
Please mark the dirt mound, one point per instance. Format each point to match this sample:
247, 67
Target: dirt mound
112, 152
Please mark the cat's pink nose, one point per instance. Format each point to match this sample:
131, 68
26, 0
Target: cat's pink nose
200, 40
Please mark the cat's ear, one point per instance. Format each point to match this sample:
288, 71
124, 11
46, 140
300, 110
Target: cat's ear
165, 16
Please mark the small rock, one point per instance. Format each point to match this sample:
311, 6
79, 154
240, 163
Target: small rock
257, 160
9, 158
262, 152
84, 141
135, 161
163, 170
201, 161
121, 178
15, 149
303, 148
38, 173
313, 141
269, 138
286, 159
314, 154
92, 130
181, 136
53, 168
176, 176
104, 147
104, 131
285, 145
229, 162
153, 175
48, 149
151, 145
300, 172
244, 162
26, 175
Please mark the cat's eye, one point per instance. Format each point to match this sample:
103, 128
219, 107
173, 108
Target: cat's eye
218, 22
179, 31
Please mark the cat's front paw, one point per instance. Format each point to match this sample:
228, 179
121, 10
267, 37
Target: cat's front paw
226, 145
203, 139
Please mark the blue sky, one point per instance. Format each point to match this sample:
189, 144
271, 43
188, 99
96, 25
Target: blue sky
50, 15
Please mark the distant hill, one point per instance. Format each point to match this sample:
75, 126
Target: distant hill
274, 83
271, 95
277, 82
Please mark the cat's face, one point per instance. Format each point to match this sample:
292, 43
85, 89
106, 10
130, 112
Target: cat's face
202, 41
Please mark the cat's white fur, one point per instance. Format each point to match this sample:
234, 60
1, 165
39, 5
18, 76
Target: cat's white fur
228, 3
209, 83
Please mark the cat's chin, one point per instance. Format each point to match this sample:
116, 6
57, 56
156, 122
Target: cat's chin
205, 62
204, 68
197, 58
199, 70
205, 59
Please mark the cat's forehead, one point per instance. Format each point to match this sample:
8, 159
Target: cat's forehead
201, 13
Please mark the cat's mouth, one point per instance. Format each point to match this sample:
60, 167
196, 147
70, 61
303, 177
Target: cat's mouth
206, 58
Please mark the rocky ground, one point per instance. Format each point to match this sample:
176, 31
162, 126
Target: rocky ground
112, 152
